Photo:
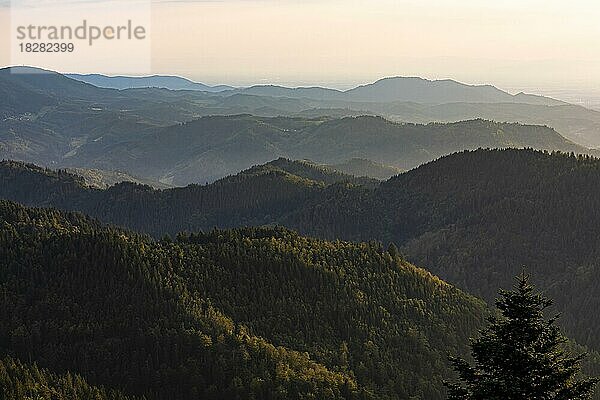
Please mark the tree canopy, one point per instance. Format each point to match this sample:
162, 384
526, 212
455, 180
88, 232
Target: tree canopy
520, 355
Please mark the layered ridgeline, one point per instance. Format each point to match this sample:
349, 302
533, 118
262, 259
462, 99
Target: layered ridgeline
213, 147
257, 196
473, 218
251, 313
407, 99
51, 120
393, 89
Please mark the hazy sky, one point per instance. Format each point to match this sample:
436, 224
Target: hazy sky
513, 44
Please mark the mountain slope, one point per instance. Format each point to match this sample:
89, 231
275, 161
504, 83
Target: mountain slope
50, 83
164, 332
474, 218
22, 381
261, 313
253, 197
576, 123
199, 151
406, 146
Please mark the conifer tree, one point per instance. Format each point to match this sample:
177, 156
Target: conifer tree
520, 355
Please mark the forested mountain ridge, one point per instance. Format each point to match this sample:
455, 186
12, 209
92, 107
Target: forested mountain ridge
327, 174
103, 179
256, 196
251, 313
406, 145
473, 218
476, 218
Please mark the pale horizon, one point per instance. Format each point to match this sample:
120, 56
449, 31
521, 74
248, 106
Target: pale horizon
534, 46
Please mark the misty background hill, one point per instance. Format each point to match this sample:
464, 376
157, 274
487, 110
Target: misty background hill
170, 137
210, 148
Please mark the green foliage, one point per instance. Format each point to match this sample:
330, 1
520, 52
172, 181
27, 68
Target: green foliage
249, 313
19, 381
472, 218
520, 355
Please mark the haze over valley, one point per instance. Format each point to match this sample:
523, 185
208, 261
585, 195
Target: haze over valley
177, 137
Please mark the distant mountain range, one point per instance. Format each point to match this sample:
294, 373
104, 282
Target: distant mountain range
155, 81
407, 89
183, 136
403, 99
394, 89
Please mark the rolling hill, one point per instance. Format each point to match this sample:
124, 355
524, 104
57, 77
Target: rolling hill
473, 218
250, 313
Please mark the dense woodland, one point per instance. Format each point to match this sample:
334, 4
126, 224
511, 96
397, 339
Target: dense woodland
477, 218
473, 218
249, 313
22, 381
